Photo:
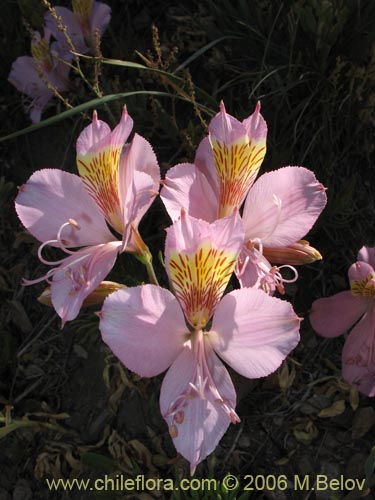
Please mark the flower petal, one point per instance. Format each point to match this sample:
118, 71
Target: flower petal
186, 187
50, 198
98, 162
205, 163
367, 254
254, 271
254, 332
200, 258
139, 180
93, 138
362, 279
360, 271
256, 128
197, 429
79, 275
332, 316
100, 18
139, 199
25, 78
358, 355
74, 30
282, 206
237, 156
144, 327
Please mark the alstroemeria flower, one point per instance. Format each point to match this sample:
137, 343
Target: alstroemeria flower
333, 316
280, 207
87, 17
32, 75
149, 329
117, 184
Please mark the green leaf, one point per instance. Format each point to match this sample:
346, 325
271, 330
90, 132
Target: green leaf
95, 103
99, 461
370, 464
201, 51
172, 77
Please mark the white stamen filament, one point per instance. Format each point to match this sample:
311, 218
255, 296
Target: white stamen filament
201, 382
58, 240
62, 245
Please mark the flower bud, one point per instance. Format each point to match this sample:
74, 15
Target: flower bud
96, 297
298, 253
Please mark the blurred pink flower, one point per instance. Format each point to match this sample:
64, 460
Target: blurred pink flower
32, 75
87, 17
333, 316
279, 209
149, 329
116, 186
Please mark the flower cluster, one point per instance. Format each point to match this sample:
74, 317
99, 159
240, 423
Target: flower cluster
46, 71
195, 327
117, 183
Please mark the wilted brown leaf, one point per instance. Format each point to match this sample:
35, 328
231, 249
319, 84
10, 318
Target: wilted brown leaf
337, 408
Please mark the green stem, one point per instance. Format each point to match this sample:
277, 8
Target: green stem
146, 258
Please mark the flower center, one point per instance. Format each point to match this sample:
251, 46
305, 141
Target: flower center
237, 166
269, 277
82, 10
365, 287
199, 280
202, 385
78, 278
41, 54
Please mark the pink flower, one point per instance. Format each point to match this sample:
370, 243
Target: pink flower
280, 207
117, 184
149, 329
335, 315
87, 17
32, 75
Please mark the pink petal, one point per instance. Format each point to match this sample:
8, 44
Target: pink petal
225, 128
138, 156
25, 78
205, 163
200, 258
360, 271
256, 126
144, 327
358, 355
146, 160
74, 30
254, 271
120, 133
100, 18
188, 233
253, 332
332, 316
186, 187
282, 206
367, 254
197, 429
98, 160
94, 137
79, 275
139, 199
237, 156
50, 198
